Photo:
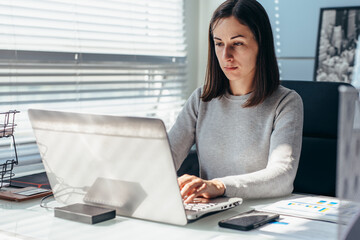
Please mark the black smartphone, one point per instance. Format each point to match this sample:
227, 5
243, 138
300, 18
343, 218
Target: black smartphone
249, 220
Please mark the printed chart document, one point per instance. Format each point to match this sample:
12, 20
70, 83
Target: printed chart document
300, 229
316, 208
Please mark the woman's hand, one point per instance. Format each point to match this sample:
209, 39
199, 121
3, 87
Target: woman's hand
192, 187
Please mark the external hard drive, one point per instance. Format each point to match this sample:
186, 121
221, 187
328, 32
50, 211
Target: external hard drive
84, 213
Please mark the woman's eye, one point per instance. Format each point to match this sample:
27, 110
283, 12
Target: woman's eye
238, 44
218, 44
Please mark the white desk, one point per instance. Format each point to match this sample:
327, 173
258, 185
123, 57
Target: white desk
27, 220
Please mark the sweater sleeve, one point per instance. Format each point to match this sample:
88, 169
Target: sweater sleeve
182, 134
284, 153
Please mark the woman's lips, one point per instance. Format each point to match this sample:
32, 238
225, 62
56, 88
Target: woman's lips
230, 68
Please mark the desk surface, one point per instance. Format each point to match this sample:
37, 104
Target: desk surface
27, 220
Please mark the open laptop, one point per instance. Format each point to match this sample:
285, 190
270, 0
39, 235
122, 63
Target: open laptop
121, 162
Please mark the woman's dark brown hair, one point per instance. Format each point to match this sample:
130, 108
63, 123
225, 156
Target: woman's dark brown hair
266, 78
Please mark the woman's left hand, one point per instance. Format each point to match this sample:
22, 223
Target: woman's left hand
192, 187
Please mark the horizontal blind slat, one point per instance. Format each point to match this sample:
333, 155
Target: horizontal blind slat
80, 91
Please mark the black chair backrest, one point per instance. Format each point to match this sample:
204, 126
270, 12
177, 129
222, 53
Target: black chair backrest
317, 167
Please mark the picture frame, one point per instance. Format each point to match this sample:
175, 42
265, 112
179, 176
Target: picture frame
338, 45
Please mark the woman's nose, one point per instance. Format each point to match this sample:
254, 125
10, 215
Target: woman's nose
227, 54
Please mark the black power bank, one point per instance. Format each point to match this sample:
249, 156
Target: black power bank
84, 213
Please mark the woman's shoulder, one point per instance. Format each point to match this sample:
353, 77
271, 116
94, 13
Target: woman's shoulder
198, 91
284, 92
195, 98
283, 96
196, 94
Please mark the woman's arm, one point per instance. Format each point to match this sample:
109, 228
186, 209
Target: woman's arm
182, 134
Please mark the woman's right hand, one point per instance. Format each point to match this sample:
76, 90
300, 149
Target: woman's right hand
192, 187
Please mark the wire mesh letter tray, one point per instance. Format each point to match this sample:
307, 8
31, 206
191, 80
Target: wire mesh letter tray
7, 125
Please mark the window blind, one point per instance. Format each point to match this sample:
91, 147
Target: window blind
117, 57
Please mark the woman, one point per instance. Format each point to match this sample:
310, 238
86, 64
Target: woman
246, 127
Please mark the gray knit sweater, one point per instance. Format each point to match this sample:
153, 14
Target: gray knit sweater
253, 151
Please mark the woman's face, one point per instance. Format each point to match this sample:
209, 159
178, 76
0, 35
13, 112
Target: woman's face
236, 50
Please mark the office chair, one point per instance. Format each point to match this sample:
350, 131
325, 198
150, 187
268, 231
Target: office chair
190, 165
317, 167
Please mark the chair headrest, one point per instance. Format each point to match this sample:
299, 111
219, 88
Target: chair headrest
321, 106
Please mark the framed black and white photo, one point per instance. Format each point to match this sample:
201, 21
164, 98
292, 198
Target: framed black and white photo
337, 51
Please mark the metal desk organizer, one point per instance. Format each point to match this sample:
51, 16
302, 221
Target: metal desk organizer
7, 125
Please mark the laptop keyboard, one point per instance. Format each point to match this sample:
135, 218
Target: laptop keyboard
198, 206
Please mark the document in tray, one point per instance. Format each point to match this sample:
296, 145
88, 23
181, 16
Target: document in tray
317, 208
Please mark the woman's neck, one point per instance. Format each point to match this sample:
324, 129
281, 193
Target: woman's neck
239, 88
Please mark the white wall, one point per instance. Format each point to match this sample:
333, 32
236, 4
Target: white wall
192, 34
207, 7
197, 17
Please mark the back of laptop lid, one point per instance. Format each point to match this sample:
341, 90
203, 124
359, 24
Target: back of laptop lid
123, 162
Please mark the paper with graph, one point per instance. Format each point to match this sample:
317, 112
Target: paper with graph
315, 207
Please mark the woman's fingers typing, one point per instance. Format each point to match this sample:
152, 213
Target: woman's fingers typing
192, 187
189, 185
197, 192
